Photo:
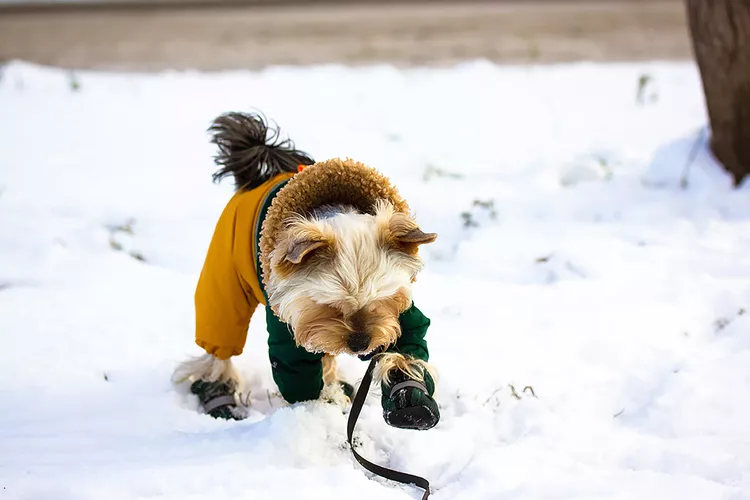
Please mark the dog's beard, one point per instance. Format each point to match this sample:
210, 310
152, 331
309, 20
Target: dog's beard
324, 328
320, 328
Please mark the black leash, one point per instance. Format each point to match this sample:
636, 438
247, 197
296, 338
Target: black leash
394, 475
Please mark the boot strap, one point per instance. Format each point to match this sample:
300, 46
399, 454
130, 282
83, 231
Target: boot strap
218, 402
408, 383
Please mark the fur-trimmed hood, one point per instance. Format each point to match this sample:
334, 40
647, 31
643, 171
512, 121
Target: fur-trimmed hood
329, 182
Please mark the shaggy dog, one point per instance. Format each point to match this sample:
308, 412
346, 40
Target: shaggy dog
331, 250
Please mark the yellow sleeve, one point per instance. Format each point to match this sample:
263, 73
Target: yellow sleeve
225, 297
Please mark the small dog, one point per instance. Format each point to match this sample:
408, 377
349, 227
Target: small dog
331, 250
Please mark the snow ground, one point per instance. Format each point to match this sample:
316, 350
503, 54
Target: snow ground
569, 260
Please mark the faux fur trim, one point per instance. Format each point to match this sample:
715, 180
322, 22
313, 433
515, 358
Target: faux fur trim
329, 182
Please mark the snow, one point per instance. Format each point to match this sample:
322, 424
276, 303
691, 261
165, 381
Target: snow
571, 260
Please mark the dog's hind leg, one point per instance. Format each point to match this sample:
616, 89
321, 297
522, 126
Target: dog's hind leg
215, 381
208, 368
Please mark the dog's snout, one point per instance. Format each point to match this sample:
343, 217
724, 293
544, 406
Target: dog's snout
358, 341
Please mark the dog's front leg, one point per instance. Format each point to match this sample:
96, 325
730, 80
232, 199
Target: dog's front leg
215, 381
334, 389
407, 386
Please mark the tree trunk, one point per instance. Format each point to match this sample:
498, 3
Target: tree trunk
721, 41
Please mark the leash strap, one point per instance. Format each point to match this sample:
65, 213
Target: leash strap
359, 401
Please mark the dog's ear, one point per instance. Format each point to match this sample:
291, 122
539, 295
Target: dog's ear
299, 249
416, 237
404, 233
300, 239
298, 242
410, 241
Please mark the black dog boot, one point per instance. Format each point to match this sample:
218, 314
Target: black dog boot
217, 399
408, 403
348, 389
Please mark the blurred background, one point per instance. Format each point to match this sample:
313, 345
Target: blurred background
141, 35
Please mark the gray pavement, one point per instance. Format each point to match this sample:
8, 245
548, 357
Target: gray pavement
223, 35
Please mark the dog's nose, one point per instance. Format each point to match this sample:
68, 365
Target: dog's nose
358, 341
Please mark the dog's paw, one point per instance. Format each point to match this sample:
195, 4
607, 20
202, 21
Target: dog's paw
408, 403
339, 393
217, 399
348, 389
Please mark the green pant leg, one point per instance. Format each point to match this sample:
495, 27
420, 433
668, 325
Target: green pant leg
410, 407
411, 342
298, 373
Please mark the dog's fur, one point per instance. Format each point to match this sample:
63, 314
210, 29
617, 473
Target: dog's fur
206, 367
338, 274
345, 274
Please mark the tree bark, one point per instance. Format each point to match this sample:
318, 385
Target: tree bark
720, 31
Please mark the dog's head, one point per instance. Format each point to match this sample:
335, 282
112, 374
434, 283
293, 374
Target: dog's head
341, 281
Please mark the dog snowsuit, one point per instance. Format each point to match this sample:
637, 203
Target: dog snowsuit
231, 283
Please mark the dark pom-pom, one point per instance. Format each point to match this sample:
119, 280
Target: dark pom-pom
251, 151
